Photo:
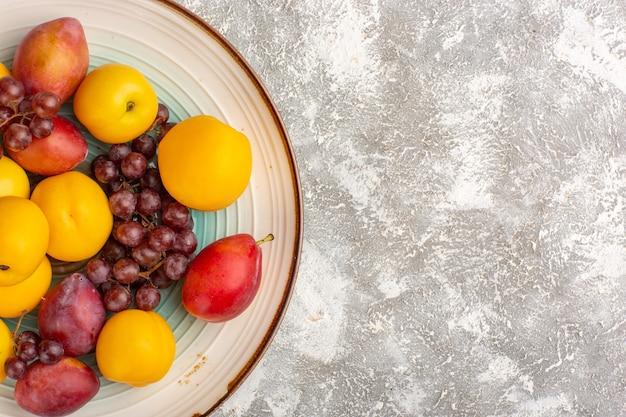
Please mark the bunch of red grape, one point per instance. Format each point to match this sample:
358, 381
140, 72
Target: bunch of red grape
152, 240
21, 117
29, 346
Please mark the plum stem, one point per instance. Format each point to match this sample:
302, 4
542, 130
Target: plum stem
267, 238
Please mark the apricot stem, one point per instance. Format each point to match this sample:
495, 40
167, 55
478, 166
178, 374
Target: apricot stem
130, 106
267, 238
4, 267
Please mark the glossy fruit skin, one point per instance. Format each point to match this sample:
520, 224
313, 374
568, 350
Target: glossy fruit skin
60, 152
13, 179
135, 347
24, 239
73, 313
78, 213
25, 296
204, 163
116, 103
223, 279
56, 390
6, 347
52, 56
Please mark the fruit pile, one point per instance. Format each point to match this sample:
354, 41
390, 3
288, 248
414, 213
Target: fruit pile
127, 221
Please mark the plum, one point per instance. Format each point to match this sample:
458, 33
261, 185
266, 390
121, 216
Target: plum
53, 56
223, 279
62, 151
73, 313
56, 390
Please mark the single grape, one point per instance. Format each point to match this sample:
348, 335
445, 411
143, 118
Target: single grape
117, 298
162, 238
104, 170
11, 91
175, 215
134, 165
98, 270
151, 179
159, 279
14, 367
125, 271
163, 115
144, 255
175, 265
113, 251
123, 203
186, 242
98, 159
148, 201
17, 137
147, 297
50, 351
41, 127
27, 351
5, 114
45, 104
129, 233
145, 145
27, 336
25, 107
118, 151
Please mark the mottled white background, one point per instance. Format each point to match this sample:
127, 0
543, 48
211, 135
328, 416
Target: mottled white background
463, 166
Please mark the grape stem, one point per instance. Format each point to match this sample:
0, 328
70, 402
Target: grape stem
24, 116
19, 323
146, 274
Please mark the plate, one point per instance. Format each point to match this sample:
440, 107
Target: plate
194, 70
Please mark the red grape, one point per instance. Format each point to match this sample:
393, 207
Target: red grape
145, 144
134, 165
17, 136
123, 203
50, 351
98, 270
129, 233
175, 265
126, 271
148, 201
118, 151
175, 215
11, 91
162, 238
15, 368
117, 298
45, 104
147, 297
41, 127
